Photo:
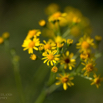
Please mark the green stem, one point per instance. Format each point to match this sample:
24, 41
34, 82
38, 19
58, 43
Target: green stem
66, 33
45, 92
15, 61
58, 32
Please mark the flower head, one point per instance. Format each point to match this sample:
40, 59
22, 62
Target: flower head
31, 44
67, 60
56, 16
50, 45
1, 40
5, 35
97, 80
59, 41
33, 33
54, 69
85, 43
50, 56
65, 80
33, 57
42, 22
89, 67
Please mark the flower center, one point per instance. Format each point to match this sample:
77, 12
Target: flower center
31, 44
47, 46
97, 80
89, 67
85, 45
50, 56
65, 79
67, 60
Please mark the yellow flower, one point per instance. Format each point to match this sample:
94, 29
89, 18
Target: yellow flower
59, 41
69, 41
89, 67
54, 69
97, 80
76, 19
50, 56
5, 35
52, 8
33, 57
33, 33
1, 40
87, 56
65, 80
67, 60
56, 16
85, 43
98, 38
49, 45
42, 22
31, 44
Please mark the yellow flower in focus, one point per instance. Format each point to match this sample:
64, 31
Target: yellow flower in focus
50, 45
67, 60
97, 80
42, 22
1, 40
98, 38
89, 67
50, 56
31, 44
85, 43
5, 35
33, 57
52, 8
54, 69
56, 16
33, 33
65, 80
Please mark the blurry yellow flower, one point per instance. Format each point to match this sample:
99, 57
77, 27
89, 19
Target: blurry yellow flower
85, 43
33, 33
5, 35
98, 38
76, 19
69, 41
1, 40
50, 56
67, 60
54, 69
52, 8
87, 56
59, 41
65, 80
75, 31
89, 67
97, 80
33, 57
31, 44
42, 22
56, 16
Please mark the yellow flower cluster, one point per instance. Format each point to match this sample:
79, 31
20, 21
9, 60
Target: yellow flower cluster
63, 30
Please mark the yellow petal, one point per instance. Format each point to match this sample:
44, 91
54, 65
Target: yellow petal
65, 86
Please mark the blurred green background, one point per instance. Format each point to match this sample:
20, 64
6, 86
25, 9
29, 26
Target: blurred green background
18, 17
